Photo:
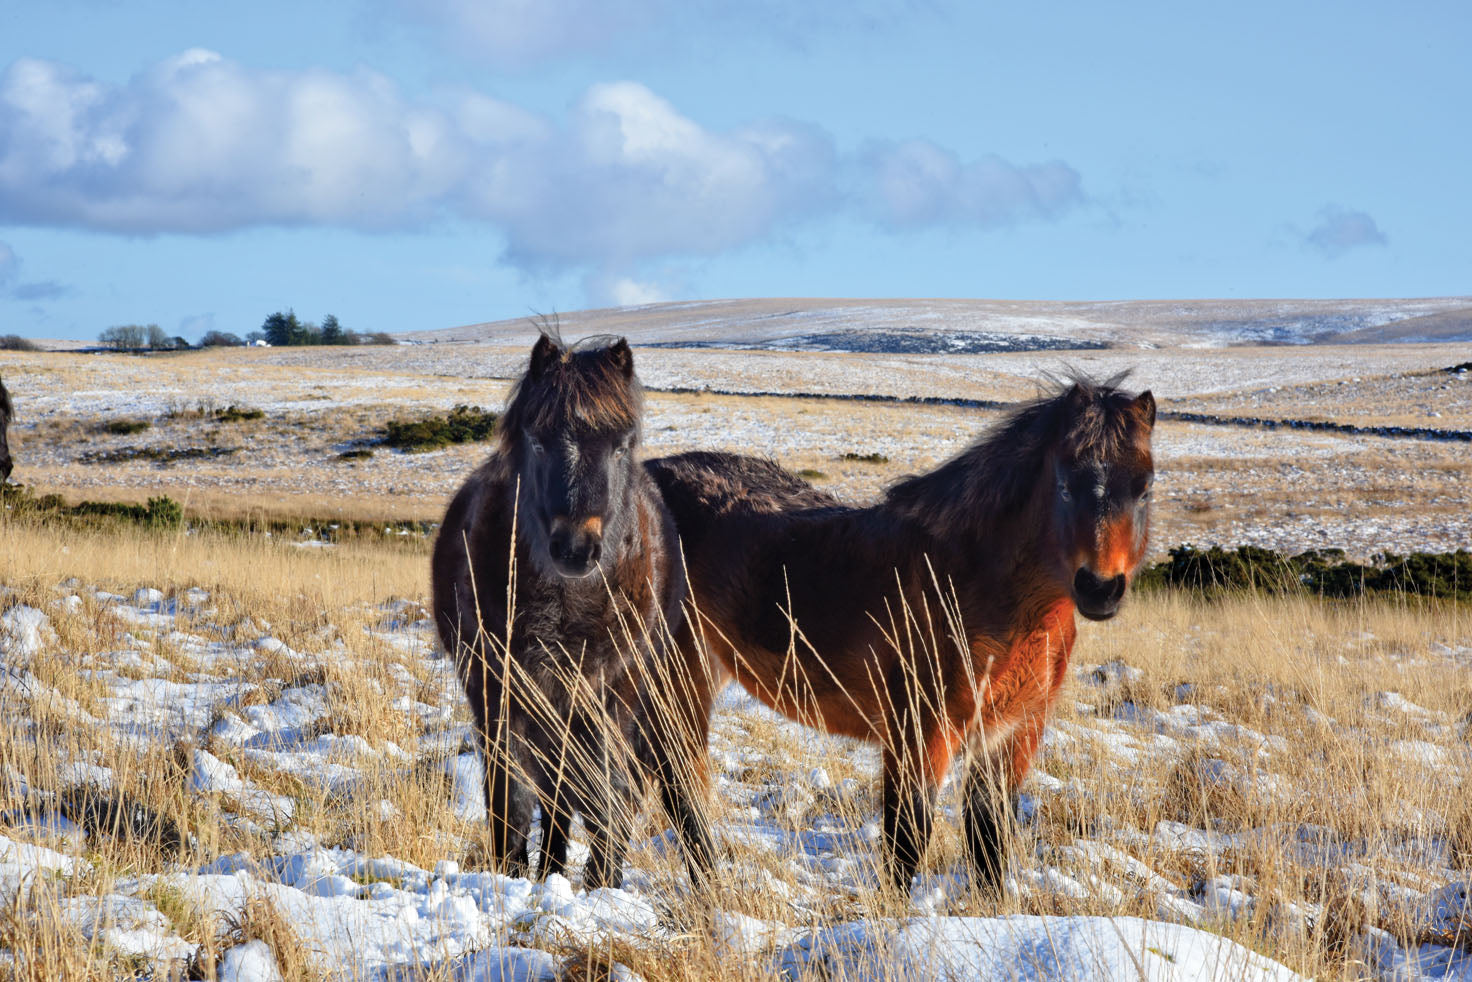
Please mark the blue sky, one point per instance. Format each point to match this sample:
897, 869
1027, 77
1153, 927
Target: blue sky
413, 165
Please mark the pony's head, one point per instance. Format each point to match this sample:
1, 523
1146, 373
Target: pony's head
570, 429
5, 462
1100, 471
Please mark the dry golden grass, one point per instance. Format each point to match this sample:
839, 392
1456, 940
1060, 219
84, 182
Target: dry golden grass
1307, 738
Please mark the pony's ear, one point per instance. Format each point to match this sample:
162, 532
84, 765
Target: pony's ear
1145, 406
620, 357
1077, 396
545, 354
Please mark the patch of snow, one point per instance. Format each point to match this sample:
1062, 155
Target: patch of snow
249, 962
24, 633
1025, 948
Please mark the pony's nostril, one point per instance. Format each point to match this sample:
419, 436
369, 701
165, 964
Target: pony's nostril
595, 553
1097, 590
1085, 583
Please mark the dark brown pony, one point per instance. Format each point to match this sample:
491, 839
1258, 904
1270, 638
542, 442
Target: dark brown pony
554, 575
5, 412
937, 620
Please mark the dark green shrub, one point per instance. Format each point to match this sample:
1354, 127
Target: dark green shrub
1325, 572
125, 427
463, 424
867, 458
357, 453
808, 474
237, 414
159, 455
161, 512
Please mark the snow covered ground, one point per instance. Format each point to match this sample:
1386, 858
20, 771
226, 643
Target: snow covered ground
264, 746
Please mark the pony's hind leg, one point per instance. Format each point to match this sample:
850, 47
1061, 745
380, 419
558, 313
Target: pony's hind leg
672, 742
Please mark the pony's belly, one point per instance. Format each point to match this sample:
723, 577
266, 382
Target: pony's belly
804, 689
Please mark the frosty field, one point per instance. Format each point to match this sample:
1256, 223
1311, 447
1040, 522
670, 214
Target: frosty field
232, 755
1245, 789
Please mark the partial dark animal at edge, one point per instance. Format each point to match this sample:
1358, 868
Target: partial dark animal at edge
555, 688
5, 413
937, 620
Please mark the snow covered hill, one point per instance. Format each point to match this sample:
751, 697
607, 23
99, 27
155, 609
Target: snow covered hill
977, 326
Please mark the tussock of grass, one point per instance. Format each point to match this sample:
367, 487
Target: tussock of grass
259, 920
125, 427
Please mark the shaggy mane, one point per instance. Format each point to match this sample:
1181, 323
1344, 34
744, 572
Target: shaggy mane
1081, 417
586, 391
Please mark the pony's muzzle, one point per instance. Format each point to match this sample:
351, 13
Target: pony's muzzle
575, 548
5, 466
1096, 597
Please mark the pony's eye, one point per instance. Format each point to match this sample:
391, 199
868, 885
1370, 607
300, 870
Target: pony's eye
535, 444
1063, 491
620, 451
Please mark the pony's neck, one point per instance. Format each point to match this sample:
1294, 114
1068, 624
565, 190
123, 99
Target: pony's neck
988, 497
990, 510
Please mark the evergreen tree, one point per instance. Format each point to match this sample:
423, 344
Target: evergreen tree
281, 329
332, 331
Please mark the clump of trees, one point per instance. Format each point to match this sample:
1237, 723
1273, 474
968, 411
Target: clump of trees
284, 329
14, 342
141, 337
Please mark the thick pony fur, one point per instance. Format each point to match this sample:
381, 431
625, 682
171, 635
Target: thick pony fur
939, 619
554, 576
5, 413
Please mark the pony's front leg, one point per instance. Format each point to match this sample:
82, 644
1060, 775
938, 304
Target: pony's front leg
609, 819
556, 829
909, 808
509, 803
989, 799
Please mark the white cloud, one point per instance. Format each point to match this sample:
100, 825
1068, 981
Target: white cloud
1341, 229
917, 183
201, 144
612, 290
629, 178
